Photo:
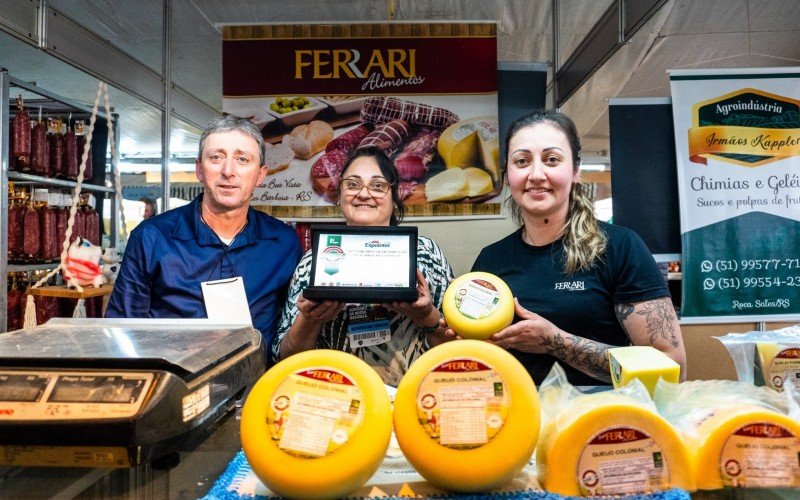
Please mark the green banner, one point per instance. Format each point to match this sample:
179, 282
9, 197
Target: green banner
737, 136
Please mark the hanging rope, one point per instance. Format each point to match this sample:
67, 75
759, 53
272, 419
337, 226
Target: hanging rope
114, 162
80, 309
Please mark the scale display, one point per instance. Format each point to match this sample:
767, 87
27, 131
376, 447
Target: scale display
81, 395
20, 387
94, 389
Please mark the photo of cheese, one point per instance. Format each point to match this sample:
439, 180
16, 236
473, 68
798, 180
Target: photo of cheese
472, 143
478, 181
448, 185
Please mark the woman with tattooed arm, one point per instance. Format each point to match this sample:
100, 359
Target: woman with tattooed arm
581, 286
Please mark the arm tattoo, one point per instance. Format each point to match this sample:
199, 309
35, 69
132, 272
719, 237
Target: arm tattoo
623, 311
660, 316
586, 355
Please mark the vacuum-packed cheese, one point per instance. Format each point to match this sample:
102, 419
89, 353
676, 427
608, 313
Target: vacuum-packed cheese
779, 363
743, 446
609, 444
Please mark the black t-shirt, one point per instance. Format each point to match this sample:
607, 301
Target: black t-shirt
582, 303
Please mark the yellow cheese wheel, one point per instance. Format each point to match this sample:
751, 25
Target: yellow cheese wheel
607, 444
472, 142
316, 425
742, 446
466, 415
477, 305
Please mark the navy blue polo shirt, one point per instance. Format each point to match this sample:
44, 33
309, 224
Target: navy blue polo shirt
169, 255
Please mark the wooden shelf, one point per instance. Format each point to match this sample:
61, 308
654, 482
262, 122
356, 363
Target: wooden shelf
66, 293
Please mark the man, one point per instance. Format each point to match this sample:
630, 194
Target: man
149, 207
172, 259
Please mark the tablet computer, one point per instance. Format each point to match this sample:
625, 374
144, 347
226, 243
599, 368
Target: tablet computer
363, 264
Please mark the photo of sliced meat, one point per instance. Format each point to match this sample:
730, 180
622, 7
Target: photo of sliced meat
330, 165
412, 162
348, 141
406, 188
380, 109
388, 137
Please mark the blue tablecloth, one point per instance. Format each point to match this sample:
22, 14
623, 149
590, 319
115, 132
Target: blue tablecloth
239, 482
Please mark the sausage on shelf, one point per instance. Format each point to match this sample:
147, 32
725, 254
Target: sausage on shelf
21, 128
48, 221
31, 234
70, 165
16, 211
40, 150
56, 155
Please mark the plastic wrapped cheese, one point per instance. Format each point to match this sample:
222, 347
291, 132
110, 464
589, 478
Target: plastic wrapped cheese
607, 443
737, 435
316, 425
466, 415
770, 358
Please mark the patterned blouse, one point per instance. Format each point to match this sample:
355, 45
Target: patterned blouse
407, 342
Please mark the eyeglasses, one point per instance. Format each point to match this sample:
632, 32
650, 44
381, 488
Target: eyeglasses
377, 188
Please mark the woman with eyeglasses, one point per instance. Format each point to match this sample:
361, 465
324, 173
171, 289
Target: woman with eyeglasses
398, 332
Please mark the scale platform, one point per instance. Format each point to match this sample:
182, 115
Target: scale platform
118, 392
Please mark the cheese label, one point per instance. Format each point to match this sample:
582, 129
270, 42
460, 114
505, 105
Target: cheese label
622, 461
463, 130
462, 403
315, 411
477, 299
761, 455
785, 369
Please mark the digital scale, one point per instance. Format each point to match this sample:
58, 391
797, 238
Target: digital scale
118, 392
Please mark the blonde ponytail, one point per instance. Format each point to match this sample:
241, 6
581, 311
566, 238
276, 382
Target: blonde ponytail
583, 241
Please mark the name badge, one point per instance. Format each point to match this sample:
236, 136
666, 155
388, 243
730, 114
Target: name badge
226, 301
368, 325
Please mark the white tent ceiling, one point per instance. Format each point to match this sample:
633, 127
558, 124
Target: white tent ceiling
681, 34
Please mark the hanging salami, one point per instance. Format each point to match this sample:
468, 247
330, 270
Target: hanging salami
48, 250
21, 128
12, 306
16, 209
62, 216
31, 234
40, 150
91, 221
70, 165
56, 155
